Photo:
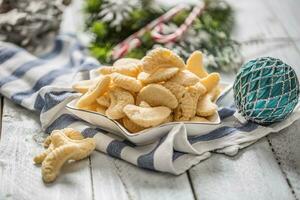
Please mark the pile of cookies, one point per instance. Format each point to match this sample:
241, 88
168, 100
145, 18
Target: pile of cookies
158, 89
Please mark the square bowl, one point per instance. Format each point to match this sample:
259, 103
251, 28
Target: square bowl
148, 135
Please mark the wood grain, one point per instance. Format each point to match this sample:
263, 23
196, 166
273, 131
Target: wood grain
254, 173
258, 172
116, 179
287, 13
19, 177
285, 144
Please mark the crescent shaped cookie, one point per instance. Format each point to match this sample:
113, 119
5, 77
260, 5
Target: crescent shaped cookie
157, 95
94, 92
104, 100
206, 107
162, 74
131, 126
195, 64
83, 86
130, 69
126, 82
199, 119
147, 117
101, 109
177, 89
161, 58
211, 81
185, 78
119, 98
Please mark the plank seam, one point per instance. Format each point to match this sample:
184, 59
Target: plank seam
280, 166
191, 184
92, 179
118, 170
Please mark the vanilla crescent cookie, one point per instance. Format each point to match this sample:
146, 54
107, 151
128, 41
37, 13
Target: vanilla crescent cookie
94, 92
130, 69
177, 89
211, 81
215, 93
169, 119
126, 82
161, 58
119, 98
144, 104
184, 111
157, 95
131, 126
85, 85
195, 92
185, 78
197, 89
162, 74
188, 104
147, 117
101, 109
104, 100
91, 107
195, 64
206, 107
199, 119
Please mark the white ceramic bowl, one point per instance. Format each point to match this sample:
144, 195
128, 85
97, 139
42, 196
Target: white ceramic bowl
148, 135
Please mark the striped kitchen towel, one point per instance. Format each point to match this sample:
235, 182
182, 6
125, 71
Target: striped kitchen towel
43, 85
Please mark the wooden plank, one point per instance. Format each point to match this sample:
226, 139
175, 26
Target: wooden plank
288, 15
285, 144
116, 179
19, 177
254, 21
254, 173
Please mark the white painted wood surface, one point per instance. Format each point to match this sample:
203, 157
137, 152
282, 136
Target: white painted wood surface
287, 13
269, 169
116, 179
19, 177
254, 173
286, 144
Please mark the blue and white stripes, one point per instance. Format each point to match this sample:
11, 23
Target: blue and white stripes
43, 84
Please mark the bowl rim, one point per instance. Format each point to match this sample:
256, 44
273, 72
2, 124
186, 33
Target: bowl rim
226, 89
129, 134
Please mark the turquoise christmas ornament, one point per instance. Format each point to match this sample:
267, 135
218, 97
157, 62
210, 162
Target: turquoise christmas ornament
266, 90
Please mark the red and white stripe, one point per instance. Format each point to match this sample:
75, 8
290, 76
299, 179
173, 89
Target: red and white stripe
133, 40
160, 38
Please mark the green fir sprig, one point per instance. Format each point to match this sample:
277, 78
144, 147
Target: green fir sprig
111, 21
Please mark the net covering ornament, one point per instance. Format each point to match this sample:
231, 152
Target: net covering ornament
266, 90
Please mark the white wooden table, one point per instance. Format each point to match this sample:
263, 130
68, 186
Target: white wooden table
269, 169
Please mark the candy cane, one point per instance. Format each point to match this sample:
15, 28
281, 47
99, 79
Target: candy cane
160, 38
123, 48
133, 40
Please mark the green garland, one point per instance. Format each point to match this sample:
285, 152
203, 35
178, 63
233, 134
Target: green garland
112, 21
